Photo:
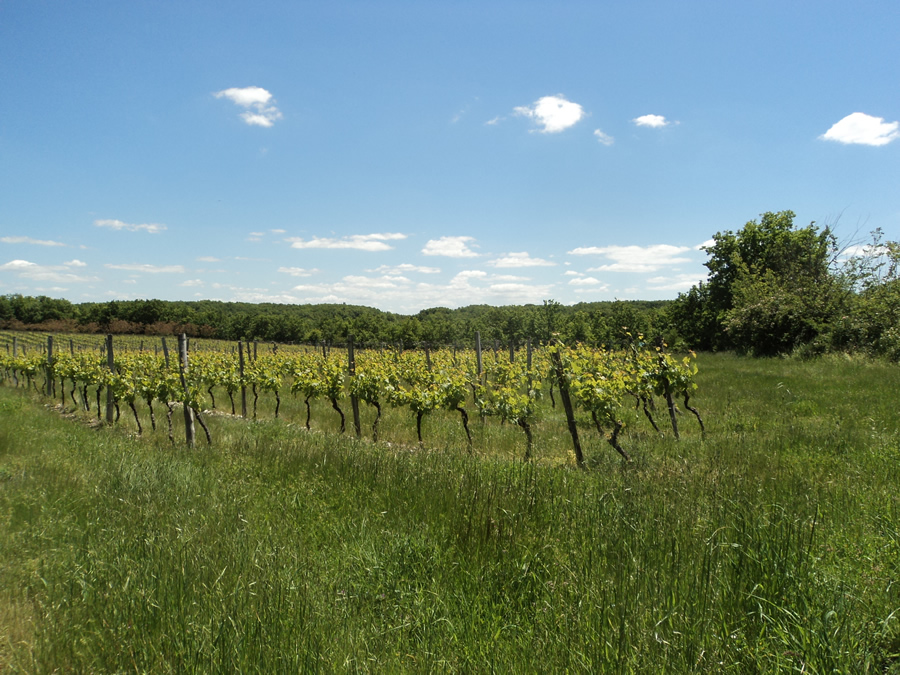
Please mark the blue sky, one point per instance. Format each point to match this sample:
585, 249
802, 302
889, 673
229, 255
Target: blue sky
405, 155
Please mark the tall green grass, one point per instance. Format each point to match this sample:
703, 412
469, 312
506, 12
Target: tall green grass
772, 545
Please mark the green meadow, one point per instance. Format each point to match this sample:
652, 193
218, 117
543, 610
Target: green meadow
769, 544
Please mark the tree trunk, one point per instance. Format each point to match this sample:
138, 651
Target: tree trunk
696, 413
377, 419
465, 423
529, 439
136, 419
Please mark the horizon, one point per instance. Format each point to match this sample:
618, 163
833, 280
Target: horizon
408, 156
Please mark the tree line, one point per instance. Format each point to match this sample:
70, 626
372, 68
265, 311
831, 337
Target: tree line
592, 323
772, 288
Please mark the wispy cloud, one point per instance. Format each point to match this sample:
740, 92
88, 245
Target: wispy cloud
405, 268
208, 258
152, 228
359, 242
260, 107
861, 129
521, 259
402, 294
297, 271
29, 240
53, 273
552, 113
635, 258
654, 121
148, 269
461, 113
450, 247
603, 139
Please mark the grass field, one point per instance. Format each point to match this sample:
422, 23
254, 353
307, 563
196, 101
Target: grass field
770, 545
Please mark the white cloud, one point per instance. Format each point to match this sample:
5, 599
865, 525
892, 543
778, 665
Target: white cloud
18, 265
256, 295
553, 113
635, 258
261, 109
604, 139
75, 263
675, 282
191, 283
52, 273
404, 268
585, 281
149, 269
451, 247
864, 251
265, 119
208, 258
29, 240
359, 242
313, 288
592, 291
654, 121
462, 278
152, 228
861, 129
706, 244
521, 259
246, 96
395, 292
297, 271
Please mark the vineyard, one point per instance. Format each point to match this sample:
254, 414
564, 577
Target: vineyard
765, 540
603, 386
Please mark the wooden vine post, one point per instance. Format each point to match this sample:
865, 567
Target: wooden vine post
241, 377
50, 384
478, 352
354, 399
188, 411
479, 370
15, 347
110, 394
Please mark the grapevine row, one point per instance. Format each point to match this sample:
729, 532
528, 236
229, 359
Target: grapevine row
599, 383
